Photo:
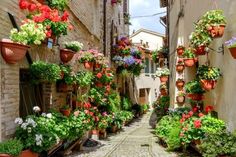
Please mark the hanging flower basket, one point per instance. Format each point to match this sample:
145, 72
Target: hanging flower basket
195, 96
208, 84
180, 100
163, 92
28, 153
180, 84
188, 62
180, 50
163, 78
200, 50
216, 31
66, 55
12, 52
65, 112
97, 66
99, 84
233, 52
5, 155
180, 68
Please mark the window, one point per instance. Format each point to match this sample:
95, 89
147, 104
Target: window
142, 92
147, 65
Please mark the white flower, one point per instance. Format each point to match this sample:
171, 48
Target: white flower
36, 109
24, 126
44, 114
18, 121
29, 130
31, 122
39, 143
38, 137
49, 115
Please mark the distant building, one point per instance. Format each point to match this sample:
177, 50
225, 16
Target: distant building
146, 85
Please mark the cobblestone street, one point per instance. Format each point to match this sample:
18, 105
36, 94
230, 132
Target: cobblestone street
135, 140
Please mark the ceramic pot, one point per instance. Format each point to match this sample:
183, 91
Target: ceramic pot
164, 78
66, 55
28, 153
188, 62
233, 52
208, 84
180, 51
180, 68
180, 84
195, 96
200, 50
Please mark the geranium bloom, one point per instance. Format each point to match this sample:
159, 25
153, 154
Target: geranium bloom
99, 75
65, 16
49, 33
195, 109
32, 7
200, 114
23, 4
209, 108
190, 113
197, 124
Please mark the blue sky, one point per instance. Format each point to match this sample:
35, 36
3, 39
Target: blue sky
146, 7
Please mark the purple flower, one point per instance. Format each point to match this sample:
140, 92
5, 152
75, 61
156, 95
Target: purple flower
129, 60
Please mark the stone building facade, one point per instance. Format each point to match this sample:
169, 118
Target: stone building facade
87, 18
182, 15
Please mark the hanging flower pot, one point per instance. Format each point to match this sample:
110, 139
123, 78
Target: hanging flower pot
66, 55
188, 62
28, 153
180, 100
208, 84
97, 66
195, 96
88, 65
5, 155
180, 68
163, 78
200, 50
233, 52
163, 92
12, 52
180, 84
180, 50
216, 31
65, 111
99, 84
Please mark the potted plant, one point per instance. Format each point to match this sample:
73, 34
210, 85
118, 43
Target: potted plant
180, 98
87, 58
44, 72
163, 73
200, 40
180, 50
213, 22
208, 76
84, 78
10, 148
60, 5
180, 66
163, 89
189, 57
65, 110
14, 50
70, 49
194, 90
231, 45
180, 83
155, 56
127, 19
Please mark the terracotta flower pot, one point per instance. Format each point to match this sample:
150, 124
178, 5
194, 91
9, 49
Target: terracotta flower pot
180, 68
208, 84
12, 52
164, 78
216, 31
88, 65
66, 55
99, 84
233, 52
5, 155
65, 112
180, 100
114, 129
188, 62
102, 131
180, 84
97, 66
180, 51
28, 153
163, 92
95, 132
197, 142
200, 50
195, 96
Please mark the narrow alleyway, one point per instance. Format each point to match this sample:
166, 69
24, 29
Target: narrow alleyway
135, 140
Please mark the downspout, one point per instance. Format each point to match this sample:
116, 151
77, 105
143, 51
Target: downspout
104, 26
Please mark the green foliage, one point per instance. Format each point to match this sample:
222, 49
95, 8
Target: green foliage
162, 72
188, 53
58, 28
86, 56
84, 78
126, 104
58, 4
200, 38
218, 143
155, 55
145, 107
193, 87
41, 71
97, 96
11, 147
74, 46
208, 73
212, 125
104, 121
114, 102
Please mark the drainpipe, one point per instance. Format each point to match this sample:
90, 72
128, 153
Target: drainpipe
104, 26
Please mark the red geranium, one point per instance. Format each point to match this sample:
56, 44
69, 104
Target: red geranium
99, 75
190, 113
65, 16
197, 124
49, 33
200, 114
32, 7
209, 108
23, 4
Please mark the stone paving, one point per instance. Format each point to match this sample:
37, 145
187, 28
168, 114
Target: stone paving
135, 140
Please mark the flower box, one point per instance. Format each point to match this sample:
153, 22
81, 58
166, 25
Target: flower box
208, 84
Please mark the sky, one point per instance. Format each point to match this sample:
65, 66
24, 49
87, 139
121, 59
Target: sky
146, 7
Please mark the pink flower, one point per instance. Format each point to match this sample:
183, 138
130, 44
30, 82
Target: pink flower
49, 33
190, 113
23, 4
99, 75
200, 114
32, 7
197, 124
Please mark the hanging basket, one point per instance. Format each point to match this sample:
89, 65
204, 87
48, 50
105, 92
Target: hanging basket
208, 84
216, 31
180, 84
200, 50
28, 153
66, 55
233, 52
164, 78
163, 92
180, 51
180, 68
196, 96
5, 155
88, 65
180, 100
12, 52
65, 112
188, 62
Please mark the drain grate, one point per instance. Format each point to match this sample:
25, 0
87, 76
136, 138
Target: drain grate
145, 145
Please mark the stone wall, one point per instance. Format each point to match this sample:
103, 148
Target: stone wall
222, 97
87, 19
